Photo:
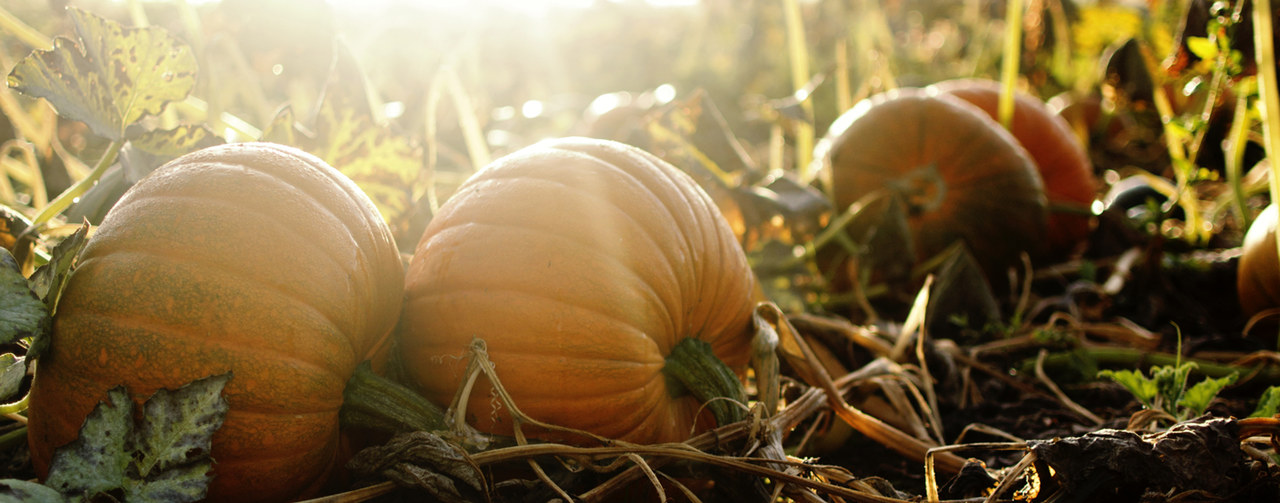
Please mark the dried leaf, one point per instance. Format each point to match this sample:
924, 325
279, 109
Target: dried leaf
425, 461
111, 76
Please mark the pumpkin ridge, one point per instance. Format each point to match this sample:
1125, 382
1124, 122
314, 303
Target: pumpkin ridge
706, 304
555, 229
320, 198
655, 404
270, 216
712, 245
624, 161
177, 333
635, 183
375, 230
457, 289
551, 352
270, 455
651, 291
240, 277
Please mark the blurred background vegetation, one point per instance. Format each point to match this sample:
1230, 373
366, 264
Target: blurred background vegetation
519, 71
452, 85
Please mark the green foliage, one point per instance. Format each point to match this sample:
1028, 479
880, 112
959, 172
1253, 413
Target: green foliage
14, 368
22, 491
1268, 403
111, 76
349, 136
1196, 399
22, 314
1144, 389
164, 456
1165, 388
97, 461
171, 143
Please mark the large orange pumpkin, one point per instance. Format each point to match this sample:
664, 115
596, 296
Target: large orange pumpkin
581, 263
257, 259
1061, 160
960, 175
1258, 275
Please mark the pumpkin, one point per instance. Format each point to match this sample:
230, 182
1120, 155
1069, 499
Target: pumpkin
959, 175
1258, 275
582, 264
1061, 160
256, 259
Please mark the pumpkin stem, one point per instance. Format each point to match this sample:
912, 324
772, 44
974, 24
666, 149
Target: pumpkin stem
922, 189
693, 368
373, 401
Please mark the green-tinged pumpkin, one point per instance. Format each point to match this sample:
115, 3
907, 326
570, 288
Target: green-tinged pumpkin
960, 176
581, 263
1060, 158
256, 259
1258, 275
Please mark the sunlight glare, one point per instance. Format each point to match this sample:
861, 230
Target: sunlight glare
531, 109
608, 101
664, 94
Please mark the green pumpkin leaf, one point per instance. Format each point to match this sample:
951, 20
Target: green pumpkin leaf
180, 483
1142, 388
1171, 382
172, 143
162, 457
177, 426
111, 76
14, 369
22, 491
1268, 403
348, 136
1196, 399
21, 312
173, 442
97, 461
